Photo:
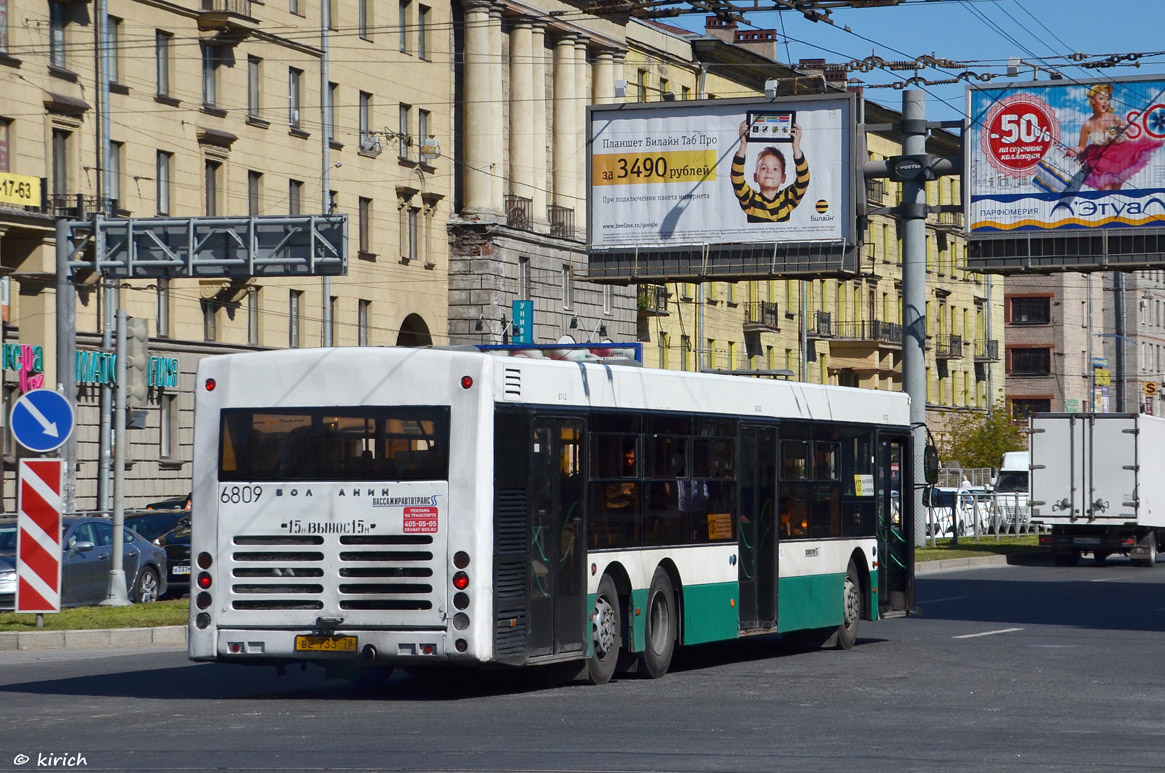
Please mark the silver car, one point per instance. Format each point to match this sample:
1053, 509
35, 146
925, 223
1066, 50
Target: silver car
87, 558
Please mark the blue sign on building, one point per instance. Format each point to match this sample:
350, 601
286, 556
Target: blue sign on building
523, 322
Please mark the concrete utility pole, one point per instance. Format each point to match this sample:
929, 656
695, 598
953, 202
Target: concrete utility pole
912, 212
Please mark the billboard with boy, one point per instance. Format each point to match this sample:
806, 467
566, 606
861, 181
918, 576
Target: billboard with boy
1066, 156
722, 172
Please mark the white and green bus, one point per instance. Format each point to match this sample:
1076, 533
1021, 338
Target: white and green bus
365, 508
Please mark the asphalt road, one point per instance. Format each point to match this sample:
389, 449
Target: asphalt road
1024, 667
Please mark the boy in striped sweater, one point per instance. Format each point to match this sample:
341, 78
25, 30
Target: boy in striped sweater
769, 203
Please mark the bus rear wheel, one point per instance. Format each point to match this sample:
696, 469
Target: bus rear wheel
660, 626
851, 603
606, 633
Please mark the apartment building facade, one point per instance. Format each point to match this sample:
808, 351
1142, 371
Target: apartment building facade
223, 108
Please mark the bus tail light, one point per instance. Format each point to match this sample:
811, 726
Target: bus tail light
204, 581
461, 559
210, 385
461, 581
466, 382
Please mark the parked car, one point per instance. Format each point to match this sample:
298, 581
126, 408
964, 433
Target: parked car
176, 543
87, 559
948, 506
154, 524
173, 503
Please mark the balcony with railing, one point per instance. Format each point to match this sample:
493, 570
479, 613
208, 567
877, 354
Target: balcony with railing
949, 347
949, 221
761, 315
561, 221
872, 331
820, 325
519, 212
987, 350
78, 206
651, 301
227, 21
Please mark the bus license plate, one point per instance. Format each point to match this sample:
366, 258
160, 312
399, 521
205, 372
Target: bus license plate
325, 643
1086, 540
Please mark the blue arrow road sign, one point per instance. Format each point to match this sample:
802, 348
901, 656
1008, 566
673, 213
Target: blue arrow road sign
41, 420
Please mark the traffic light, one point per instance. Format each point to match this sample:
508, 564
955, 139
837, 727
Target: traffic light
137, 362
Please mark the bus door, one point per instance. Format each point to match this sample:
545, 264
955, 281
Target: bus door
895, 526
557, 589
757, 528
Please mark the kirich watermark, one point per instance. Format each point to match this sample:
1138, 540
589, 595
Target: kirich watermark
51, 760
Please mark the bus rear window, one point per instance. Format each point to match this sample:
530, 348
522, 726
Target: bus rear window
360, 443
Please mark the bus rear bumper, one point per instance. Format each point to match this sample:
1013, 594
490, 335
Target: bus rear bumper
362, 646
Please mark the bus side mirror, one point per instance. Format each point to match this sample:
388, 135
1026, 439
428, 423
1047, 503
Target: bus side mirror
927, 495
930, 464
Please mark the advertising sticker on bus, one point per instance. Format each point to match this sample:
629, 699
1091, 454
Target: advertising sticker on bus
420, 520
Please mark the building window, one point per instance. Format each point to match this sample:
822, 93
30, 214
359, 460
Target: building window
168, 437
1030, 311
523, 279
293, 318
60, 165
253, 316
5, 143
162, 181
209, 75
608, 296
294, 191
333, 95
112, 44
295, 7
294, 94
333, 312
364, 212
58, 20
423, 132
3, 26
1029, 361
414, 233
567, 287
423, 31
113, 174
406, 138
254, 189
211, 170
162, 62
364, 19
253, 63
641, 86
210, 320
664, 88
365, 117
163, 308
685, 92
1023, 407
404, 25
362, 322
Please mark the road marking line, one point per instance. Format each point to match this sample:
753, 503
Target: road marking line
986, 633
939, 601
1104, 579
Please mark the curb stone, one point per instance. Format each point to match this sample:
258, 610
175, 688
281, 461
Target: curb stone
108, 638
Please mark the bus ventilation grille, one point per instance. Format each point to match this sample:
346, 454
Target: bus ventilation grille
510, 562
512, 384
375, 572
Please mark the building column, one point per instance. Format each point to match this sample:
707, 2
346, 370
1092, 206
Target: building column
522, 109
564, 117
478, 92
603, 80
582, 94
538, 119
497, 166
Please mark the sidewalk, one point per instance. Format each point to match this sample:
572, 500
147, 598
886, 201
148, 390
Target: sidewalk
175, 635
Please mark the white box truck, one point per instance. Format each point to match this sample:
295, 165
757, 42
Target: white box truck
1098, 480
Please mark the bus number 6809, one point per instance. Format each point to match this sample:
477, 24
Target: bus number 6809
240, 494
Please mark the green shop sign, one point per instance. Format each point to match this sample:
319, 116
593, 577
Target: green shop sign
101, 368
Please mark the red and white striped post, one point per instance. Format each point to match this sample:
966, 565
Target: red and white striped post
38, 546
